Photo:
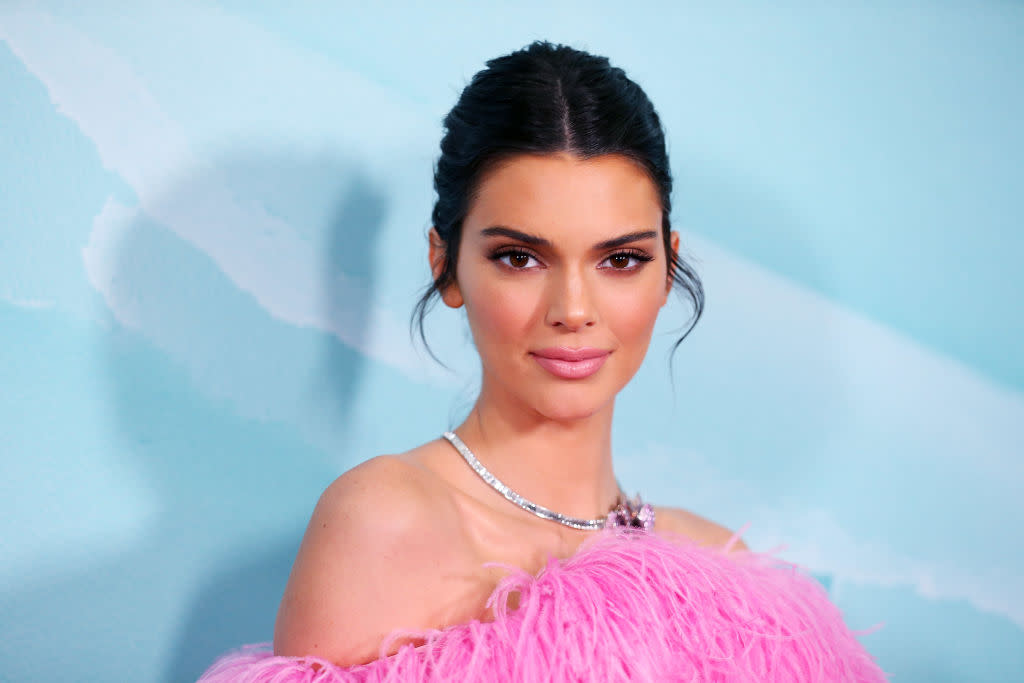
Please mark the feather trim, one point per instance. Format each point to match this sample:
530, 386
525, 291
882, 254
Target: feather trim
628, 606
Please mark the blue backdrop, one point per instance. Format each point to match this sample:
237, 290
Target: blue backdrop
212, 232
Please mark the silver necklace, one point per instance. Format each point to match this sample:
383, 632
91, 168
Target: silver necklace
626, 513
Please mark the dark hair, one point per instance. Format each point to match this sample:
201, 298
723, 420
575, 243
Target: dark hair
545, 99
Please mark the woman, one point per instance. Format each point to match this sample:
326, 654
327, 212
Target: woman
506, 550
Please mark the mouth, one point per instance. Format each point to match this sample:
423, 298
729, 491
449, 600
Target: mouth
571, 363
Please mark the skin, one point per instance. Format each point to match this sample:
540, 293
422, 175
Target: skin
400, 540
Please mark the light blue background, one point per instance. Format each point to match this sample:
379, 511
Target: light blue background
212, 232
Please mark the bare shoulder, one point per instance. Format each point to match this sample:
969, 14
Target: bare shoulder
691, 525
382, 536
387, 492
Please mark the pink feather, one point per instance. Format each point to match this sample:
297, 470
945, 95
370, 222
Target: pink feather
628, 606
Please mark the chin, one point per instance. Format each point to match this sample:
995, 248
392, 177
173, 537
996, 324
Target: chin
556, 406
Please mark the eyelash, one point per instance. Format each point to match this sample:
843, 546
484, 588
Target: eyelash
636, 254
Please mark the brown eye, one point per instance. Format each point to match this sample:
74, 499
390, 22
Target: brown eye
516, 260
626, 260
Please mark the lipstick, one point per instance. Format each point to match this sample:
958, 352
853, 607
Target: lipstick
567, 363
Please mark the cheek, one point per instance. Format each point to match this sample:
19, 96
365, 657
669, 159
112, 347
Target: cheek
632, 317
500, 315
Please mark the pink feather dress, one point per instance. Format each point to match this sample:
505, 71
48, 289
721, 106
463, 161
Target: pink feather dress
629, 605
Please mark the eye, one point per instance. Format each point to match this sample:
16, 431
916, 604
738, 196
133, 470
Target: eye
516, 259
626, 260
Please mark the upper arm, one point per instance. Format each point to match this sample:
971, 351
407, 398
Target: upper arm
715, 535
738, 544
353, 580
700, 529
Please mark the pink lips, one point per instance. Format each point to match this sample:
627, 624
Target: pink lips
571, 363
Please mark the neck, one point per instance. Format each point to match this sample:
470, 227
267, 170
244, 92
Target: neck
564, 465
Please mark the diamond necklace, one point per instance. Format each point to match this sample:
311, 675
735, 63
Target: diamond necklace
627, 512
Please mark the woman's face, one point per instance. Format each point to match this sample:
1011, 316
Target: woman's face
562, 271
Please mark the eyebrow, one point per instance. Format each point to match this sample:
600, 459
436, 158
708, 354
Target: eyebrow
512, 233
626, 239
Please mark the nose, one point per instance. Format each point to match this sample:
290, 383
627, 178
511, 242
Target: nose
570, 302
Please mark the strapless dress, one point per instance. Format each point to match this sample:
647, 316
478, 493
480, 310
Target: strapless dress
629, 605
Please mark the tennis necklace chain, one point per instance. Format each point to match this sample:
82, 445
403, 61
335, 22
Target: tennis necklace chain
626, 512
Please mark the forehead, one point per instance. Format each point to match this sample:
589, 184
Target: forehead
562, 195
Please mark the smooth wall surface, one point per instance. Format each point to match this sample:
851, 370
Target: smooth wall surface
212, 233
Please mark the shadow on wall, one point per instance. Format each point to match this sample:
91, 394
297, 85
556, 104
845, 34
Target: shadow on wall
233, 418
236, 604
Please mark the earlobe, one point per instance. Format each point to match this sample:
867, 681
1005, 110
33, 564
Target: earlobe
450, 295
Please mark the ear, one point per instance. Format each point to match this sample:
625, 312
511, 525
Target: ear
673, 238
451, 295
